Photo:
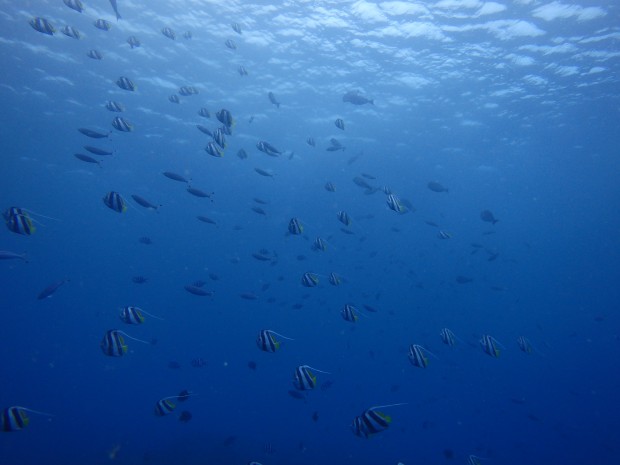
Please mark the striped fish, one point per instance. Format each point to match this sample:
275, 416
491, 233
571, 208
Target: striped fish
114, 201
213, 150
525, 345
310, 280
205, 113
334, 279
75, 5
417, 356
344, 218
304, 379
489, 345
111, 105
15, 418
267, 342
103, 24
225, 117
125, 83
71, 32
165, 406
447, 337
349, 313
295, 227
371, 421
95, 54
113, 343
121, 124
319, 244
394, 204
219, 138
18, 221
132, 315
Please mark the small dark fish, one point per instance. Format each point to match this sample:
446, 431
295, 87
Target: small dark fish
252, 365
186, 91
213, 276
315, 416
273, 99
198, 362
144, 203
133, 42
97, 150
205, 113
49, 290
236, 27
139, 279
230, 44
115, 8
198, 291
356, 98
487, 215
361, 182
187, 35
75, 5
267, 148
206, 219
126, 84
242, 71
174, 98
258, 210
86, 158
296, 394
185, 416
311, 142
94, 134
432, 223
263, 172
261, 257
241, 153
71, 32
95, 54
248, 296
339, 123
175, 176
370, 309
260, 201
7, 255
198, 192
168, 32
463, 279
436, 187
145, 240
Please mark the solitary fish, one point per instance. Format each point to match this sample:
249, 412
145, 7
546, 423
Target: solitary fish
49, 290
7, 255
487, 215
273, 99
356, 98
198, 291
436, 187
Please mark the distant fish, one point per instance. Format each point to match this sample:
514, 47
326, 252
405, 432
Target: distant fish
187, 35
125, 83
371, 421
174, 98
447, 337
417, 356
115, 8
349, 313
329, 187
71, 32
74, 5
487, 216
213, 150
436, 187
111, 105
144, 203
311, 142
225, 117
86, 158
344, 218
236, 27
259, 210
204, 130
198, 291
145, 240
356, 98
133, 42
175, 176
49, 290
94, 134
295, 227
273, 99
121, 124
394, 204
97, 150
42, 25
241, 153
7, 255
205, 113
134, 315
230, 44
339, 123
206, 219
103, 24
263, 172
139, 279
444, 234
267, 148
490, 345
95, 54
199, 193
242, 71
334, 279
310, 279
168, 32
188, 90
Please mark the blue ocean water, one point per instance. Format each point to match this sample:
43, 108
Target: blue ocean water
511, 106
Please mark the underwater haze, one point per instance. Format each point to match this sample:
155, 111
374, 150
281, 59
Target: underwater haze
310, 232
